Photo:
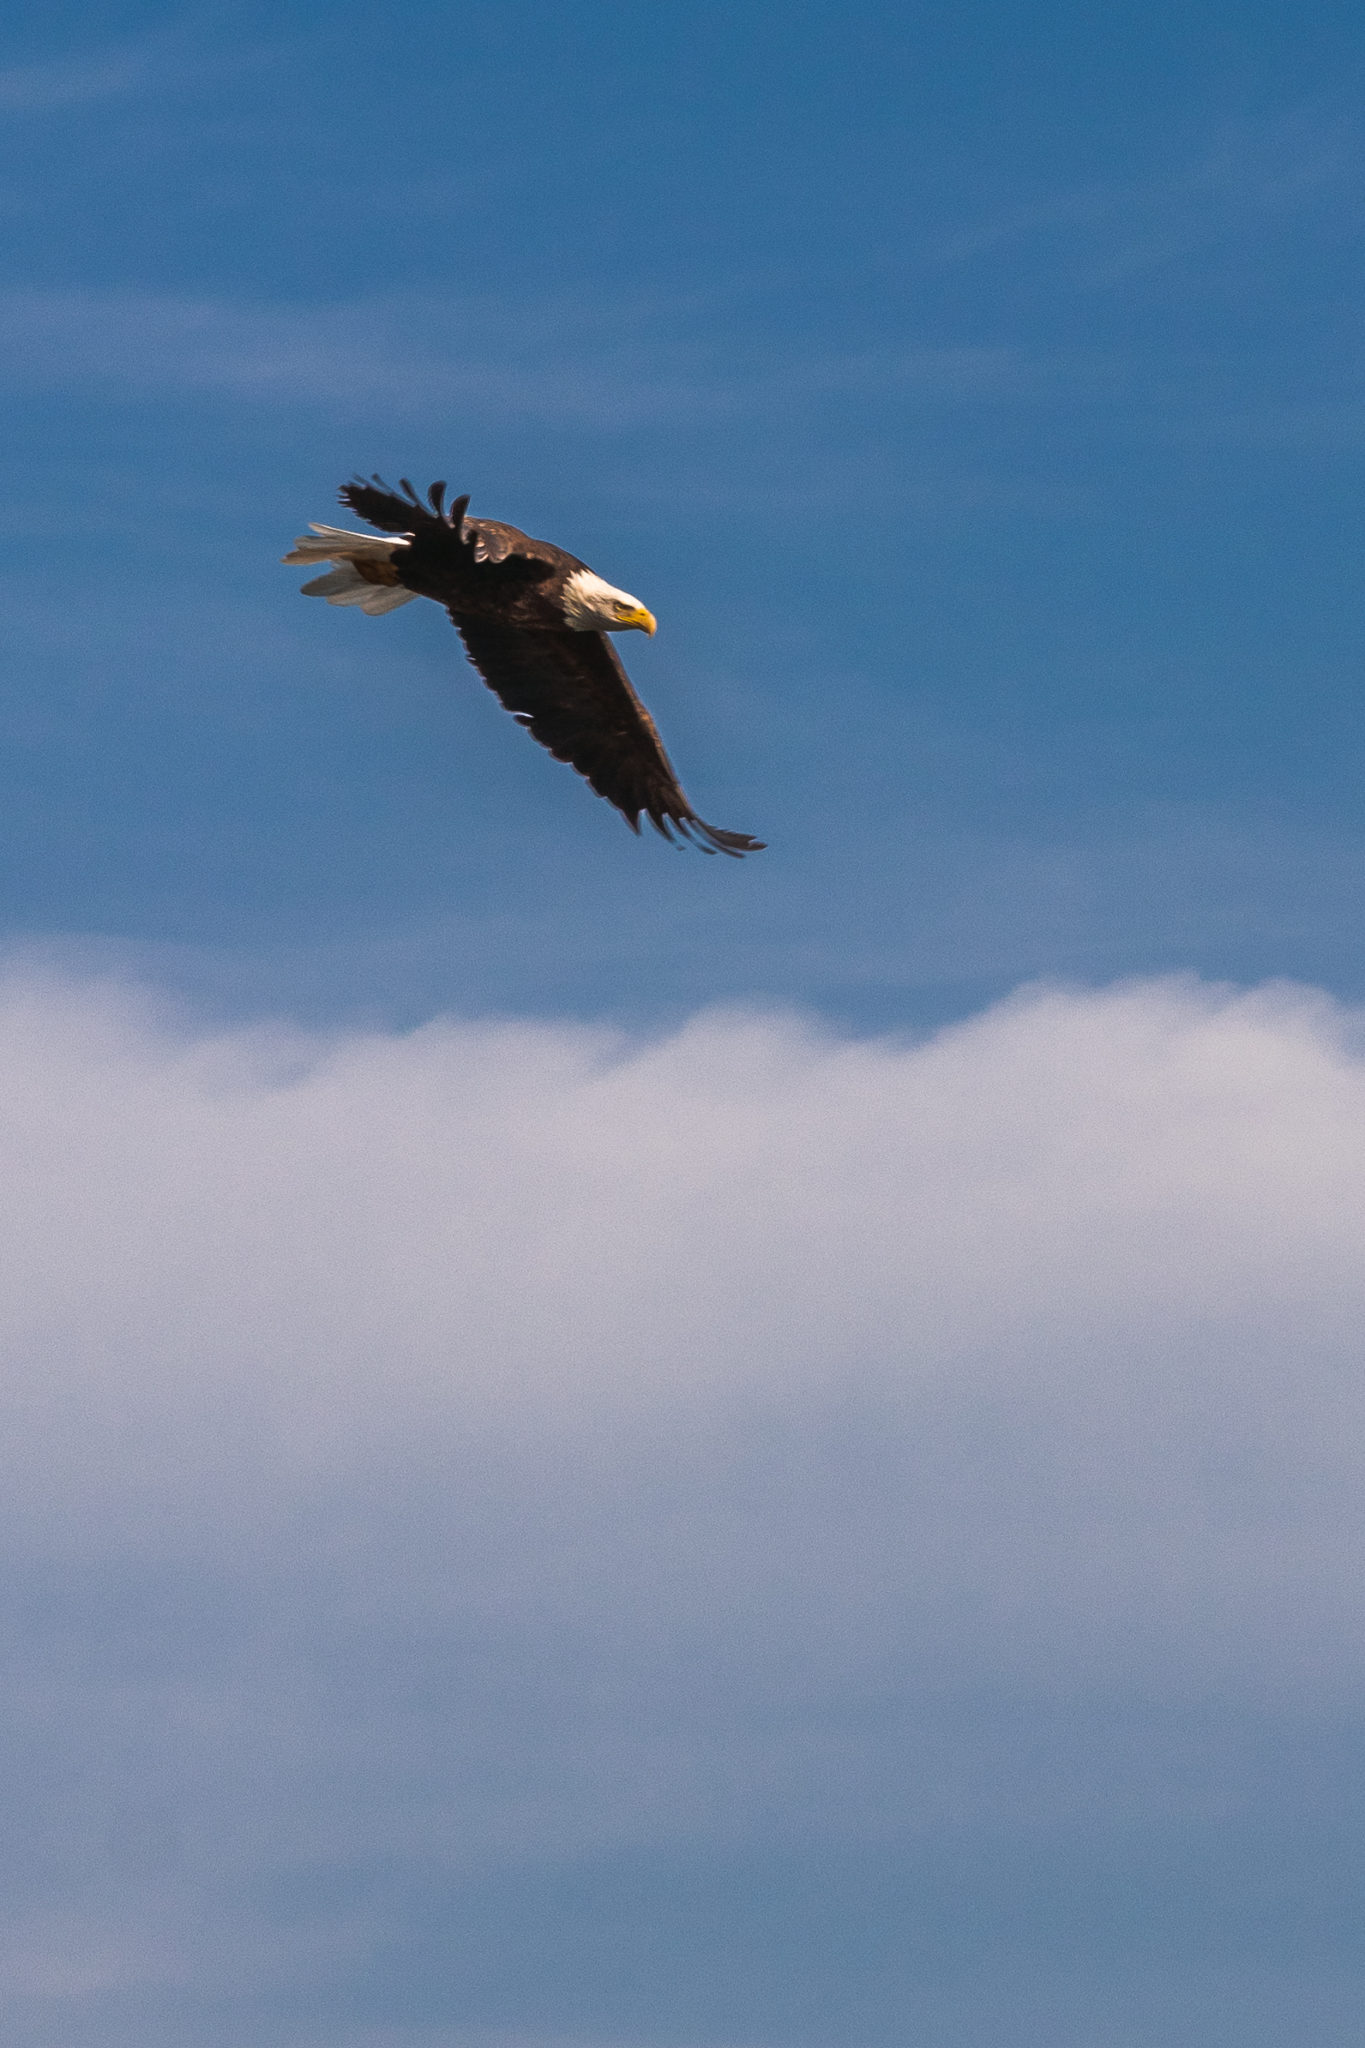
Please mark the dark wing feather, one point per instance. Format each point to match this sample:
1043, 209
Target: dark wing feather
388, 510
452, 535
571, 693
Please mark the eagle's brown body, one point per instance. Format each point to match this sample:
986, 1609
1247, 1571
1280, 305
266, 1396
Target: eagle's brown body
514, 602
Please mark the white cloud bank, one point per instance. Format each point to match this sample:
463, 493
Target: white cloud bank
1091, 1261
508, 1439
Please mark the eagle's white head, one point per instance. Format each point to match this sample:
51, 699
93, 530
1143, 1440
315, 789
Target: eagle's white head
592, 606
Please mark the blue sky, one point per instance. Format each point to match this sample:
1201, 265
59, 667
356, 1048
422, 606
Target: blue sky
574, 1473
974, 396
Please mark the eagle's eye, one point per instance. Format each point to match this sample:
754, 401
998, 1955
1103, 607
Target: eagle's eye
628, 612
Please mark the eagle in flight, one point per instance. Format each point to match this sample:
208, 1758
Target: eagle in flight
534, 621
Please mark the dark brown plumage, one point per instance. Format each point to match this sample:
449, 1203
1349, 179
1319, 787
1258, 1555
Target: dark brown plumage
512, 600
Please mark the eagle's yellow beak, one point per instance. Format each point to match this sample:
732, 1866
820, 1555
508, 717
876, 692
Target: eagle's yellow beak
646, 621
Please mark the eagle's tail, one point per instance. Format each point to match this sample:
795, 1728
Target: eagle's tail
349, 582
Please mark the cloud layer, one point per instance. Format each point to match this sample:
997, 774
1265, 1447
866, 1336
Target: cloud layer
580, 361
499, 1443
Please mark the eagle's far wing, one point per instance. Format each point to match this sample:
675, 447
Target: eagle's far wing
571, 693
391, 511
438, 533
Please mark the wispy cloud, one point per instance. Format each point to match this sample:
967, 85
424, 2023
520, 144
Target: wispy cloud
71, 82
75, 79
1252, 179
571, 362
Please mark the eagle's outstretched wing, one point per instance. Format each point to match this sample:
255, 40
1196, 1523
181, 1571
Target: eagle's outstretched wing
395, 512
571, 693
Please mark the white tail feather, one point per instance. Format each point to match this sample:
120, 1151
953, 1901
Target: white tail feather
344, 578
346, 585
335, 544
381, 600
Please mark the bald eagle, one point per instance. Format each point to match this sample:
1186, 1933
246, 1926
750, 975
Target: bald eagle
534, 621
